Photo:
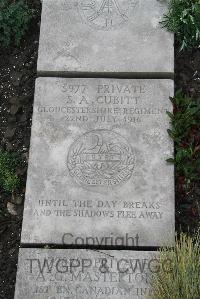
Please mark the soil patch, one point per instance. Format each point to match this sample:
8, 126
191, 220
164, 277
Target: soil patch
17, 80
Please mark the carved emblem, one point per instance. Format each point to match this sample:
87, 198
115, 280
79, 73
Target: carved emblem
101, 158
107, 14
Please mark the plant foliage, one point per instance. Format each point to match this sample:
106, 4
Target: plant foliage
181, 279
15, 16
183, 18
9, 162
185, 131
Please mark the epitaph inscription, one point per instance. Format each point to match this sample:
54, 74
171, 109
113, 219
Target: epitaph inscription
100, 176
101, 158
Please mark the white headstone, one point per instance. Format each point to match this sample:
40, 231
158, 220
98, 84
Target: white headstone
97, 171
83, 274
105, 36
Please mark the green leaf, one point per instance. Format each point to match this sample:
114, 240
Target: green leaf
9, 162
170, 114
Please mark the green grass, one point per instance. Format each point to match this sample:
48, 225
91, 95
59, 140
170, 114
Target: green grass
182, 281
9, 162
185, 131
183, 19
15, 16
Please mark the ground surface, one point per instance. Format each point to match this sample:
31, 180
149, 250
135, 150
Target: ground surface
17, 77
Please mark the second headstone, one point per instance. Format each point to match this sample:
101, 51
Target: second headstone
98, 173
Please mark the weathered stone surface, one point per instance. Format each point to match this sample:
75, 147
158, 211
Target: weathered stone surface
98, 165
82, 274
100, 36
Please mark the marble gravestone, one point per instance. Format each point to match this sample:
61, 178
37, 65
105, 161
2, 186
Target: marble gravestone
97, 169
113, 37
78, 274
